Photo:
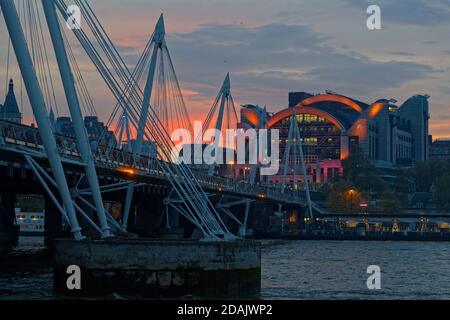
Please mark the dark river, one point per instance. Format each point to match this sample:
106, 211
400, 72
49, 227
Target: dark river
290, 270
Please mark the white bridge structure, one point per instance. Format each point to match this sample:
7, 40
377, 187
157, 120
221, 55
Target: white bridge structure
149, 100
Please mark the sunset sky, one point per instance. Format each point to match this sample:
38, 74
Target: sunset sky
273, 47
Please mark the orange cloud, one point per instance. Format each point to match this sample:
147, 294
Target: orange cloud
440, 129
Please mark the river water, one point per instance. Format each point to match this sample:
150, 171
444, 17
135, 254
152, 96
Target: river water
290, 270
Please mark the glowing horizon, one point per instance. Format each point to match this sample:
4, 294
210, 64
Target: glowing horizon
271, 49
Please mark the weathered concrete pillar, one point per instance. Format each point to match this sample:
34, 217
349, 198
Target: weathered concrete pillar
174, 218
161, 269
302, 211
265, 221
149, 211
143, 223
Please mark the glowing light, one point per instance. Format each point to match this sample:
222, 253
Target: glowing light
332, 98
251, 116
344, 154
359, 129
375, 109
127, 170
293, 219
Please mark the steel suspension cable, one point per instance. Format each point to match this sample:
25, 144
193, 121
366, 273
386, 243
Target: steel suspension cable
158, 135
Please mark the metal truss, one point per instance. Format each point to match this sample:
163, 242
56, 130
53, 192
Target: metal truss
178, 204
48, 183
188, 185
225, 206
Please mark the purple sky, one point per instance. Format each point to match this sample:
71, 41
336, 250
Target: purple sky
273, 47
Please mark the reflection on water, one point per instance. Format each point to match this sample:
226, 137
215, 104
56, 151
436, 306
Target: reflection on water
291, 270
337, 270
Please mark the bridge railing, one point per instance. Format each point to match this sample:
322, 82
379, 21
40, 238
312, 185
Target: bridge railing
116, 159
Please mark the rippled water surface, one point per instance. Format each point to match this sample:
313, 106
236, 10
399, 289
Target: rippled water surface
25, 272
337, 270
291, 270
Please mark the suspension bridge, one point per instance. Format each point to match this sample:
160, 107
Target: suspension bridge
76, 176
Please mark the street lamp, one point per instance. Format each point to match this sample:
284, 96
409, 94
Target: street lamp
351, 193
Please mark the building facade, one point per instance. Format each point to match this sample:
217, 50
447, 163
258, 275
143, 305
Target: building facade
440, 149
333, 125
97, 132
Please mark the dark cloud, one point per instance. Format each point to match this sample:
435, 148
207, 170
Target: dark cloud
268, 61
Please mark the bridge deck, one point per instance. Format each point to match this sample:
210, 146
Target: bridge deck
20, 140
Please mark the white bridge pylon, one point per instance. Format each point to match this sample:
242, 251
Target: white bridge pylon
295, 141
190, 199
223, 116
75, 111
124, 134
194, 203
158, 43
40, 113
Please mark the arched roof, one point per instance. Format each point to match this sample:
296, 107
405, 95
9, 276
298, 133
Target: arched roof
323, 105
333, 98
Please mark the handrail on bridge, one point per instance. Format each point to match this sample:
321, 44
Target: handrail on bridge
28, 136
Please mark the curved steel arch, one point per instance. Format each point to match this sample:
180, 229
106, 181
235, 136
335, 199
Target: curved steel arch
332, 98
300, 109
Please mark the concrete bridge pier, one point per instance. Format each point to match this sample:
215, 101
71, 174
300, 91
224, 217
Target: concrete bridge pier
159, 268
264, 219
174, 219
148, 214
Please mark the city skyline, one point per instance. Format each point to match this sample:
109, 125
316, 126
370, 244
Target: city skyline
271, 49
299, 166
